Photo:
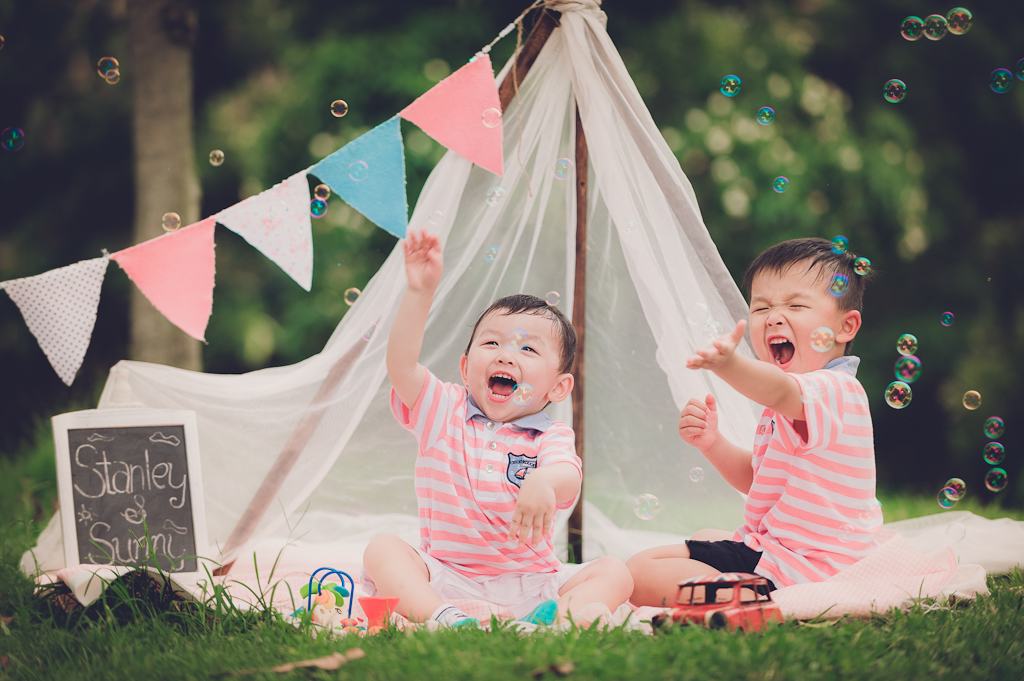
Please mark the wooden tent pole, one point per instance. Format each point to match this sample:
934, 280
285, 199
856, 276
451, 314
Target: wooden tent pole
579, 316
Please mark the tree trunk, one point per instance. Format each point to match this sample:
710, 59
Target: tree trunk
160, 36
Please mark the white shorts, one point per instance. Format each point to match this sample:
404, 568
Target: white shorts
520, 592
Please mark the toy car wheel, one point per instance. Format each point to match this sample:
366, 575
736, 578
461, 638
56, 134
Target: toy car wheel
661, 622
717, 620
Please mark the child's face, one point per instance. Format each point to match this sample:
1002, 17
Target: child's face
784, 311
510, 350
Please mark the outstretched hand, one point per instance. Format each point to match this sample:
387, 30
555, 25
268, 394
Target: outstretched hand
423, 261
698, 423
720, 351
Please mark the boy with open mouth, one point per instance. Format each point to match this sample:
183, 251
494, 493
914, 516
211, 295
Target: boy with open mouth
492, 467
810, 479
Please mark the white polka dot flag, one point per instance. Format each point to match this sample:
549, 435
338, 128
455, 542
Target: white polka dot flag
277, 223
59, 308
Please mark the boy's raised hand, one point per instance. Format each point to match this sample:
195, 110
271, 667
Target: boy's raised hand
720, 351
423, 261
698, 423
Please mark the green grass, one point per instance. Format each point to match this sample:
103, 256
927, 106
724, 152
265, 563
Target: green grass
138, 632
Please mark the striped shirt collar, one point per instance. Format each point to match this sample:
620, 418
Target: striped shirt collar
539, 421
847, 364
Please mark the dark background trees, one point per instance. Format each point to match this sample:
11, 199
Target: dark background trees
928, 189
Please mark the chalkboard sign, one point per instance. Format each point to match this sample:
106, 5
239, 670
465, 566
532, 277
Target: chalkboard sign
124, 474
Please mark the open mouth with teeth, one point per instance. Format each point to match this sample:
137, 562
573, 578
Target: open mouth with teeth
782, 350
501, 386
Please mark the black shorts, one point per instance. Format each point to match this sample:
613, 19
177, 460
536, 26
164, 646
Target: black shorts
726, 556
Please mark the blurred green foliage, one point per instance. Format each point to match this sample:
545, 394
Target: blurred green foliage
927, 189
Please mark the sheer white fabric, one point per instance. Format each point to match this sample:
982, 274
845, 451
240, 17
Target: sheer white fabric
649, 261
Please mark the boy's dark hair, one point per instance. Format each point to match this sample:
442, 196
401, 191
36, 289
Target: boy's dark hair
816, 253
522, 303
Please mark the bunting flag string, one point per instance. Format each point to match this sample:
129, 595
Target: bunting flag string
59, 308
463, 113
175, 272
369, 174
277, 223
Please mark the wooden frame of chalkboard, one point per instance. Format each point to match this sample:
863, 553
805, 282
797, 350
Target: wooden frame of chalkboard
127, 474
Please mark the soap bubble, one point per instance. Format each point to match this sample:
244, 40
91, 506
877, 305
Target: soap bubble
106, 66
731, 86
12, 139
993, 453
696, 474
713, 331
317, 208
322, 192
563, 167
495, 196
780, 184
631, 226
171, 221
697, 314
907, 368
912, 28
996, 480
491, 118
935, 27
113, 77
1001, 81
994, 427
955, 532
278, 209
898, 395
515, 339
765, 115
959, 20
1020, 68
861, 266
216, 157
955, 489
552, 298
809, 393
838, 286
947, 319
358, 170
906, 344
840, 244
847, 533
868, 508
491, 253
944, 499
435, 217
522, 395
823, 339
368, 334
895, 90
351, 295
646, 506
339, 108
972, 399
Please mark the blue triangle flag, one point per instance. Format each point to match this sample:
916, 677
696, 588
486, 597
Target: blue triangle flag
369, 174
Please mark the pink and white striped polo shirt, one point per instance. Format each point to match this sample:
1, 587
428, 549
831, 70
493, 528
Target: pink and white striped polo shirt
468, 474
811, 509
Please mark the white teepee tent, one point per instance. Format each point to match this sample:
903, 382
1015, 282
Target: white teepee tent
655, 284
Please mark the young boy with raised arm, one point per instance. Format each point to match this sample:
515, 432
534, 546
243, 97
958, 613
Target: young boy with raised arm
810, 480
492, 467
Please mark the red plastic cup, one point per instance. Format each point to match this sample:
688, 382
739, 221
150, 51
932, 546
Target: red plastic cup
377, 609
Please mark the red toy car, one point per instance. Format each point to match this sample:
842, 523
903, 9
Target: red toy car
736, 600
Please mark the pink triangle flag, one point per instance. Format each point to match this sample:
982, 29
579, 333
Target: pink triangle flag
175, 272
463, 113
276, 222
59, 308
